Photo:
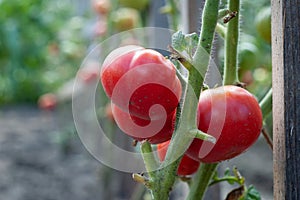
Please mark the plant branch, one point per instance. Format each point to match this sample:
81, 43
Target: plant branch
267, 138
165, 176
149, 159
266, 107
266, 104
202, 177
231, 44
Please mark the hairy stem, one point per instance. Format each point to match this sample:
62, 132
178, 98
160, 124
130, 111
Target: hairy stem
149, 159
231, 44
166, 175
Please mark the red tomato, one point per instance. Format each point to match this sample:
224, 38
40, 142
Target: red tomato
187, 165
136, 79
47, 101
155, 131
101, 7
233, 116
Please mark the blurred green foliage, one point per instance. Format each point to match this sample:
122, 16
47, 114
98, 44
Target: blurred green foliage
40, 47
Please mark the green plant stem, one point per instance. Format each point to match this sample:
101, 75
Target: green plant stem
202, 53
165, 176
181, 139
228, 179
231, 44
266, 103
202, 136
266, 108
149, 159
202, 178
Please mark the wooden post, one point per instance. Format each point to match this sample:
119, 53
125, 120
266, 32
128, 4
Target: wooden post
286, 98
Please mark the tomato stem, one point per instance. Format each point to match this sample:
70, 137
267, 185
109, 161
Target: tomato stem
166, 175
266, 108
267, 138
266, 103
202, 178
202, 136
231, 46
151, 163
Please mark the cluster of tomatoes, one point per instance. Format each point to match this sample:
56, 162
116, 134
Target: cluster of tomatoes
145, 92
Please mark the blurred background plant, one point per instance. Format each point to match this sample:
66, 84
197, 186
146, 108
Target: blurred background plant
41, 44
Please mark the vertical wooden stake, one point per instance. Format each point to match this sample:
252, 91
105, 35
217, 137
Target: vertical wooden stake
286, 98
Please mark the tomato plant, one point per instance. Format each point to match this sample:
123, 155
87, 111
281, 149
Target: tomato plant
147, 75
139, 82
187, 165
159, 133
235, 112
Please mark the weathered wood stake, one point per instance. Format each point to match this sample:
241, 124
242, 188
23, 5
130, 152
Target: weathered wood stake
286, 98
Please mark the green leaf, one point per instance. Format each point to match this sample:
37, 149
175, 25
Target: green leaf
185, 43
178, 41
252, 194
192, 40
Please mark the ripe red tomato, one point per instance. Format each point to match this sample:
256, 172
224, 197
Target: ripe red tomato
233, 116
155, 131
187, 165
101, 7
136, 79
47, 101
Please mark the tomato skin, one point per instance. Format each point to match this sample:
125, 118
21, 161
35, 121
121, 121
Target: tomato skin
236, 113
124, 120
187, 165
101, 7
155, 74
47, 101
